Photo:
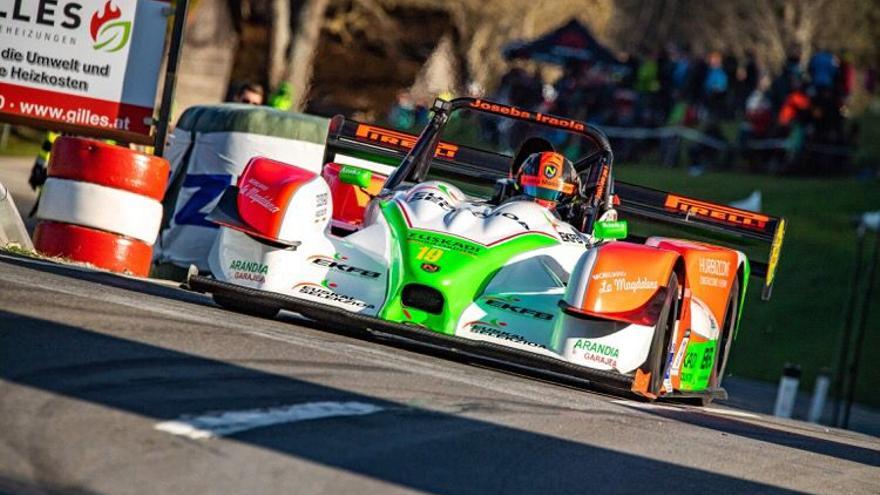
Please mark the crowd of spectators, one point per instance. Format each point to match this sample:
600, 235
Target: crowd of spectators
733, 107
793, 122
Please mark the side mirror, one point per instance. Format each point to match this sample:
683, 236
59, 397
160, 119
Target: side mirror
617, 229
355, 176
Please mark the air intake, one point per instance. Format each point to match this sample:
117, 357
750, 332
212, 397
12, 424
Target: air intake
422, 297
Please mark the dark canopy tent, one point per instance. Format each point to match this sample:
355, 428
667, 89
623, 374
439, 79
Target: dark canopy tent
567, 43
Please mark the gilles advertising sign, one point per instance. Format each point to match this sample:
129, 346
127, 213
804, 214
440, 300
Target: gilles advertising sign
84, 66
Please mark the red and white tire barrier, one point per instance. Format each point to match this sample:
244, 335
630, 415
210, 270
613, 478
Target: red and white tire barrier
101, 205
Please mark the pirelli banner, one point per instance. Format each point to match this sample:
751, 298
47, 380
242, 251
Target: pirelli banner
89, 67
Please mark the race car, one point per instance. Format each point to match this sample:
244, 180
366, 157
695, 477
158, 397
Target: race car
457, 240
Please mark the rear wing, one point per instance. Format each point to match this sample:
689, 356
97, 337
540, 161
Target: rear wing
650, 211
759, 235
350, 142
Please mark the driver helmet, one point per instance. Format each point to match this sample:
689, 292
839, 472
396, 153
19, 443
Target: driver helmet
548, 178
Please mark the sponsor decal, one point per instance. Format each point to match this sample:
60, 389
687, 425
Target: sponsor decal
255, 191
334, 264
430, 197
507, 215
492, 329
249, 270
445, 243
716, 212
321, 207
709, 266
505, 305
571, 237
597, 352
679, 356
624, 285
320, 292
604, 275
713, 282
556, 184
550, 170
714, 272
525, 115
430, 267
320, 215
707, 360
690, 360
400, 140
600, 184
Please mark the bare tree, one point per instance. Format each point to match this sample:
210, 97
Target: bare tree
295, 35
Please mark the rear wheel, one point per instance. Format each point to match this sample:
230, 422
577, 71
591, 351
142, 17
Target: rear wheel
662, 342
722, 351
722, 348
248, 307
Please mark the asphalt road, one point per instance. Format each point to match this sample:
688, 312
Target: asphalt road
92, 365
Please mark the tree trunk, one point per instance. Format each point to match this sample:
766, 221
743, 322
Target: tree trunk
440, 74
308, 20
279, 41
207, 56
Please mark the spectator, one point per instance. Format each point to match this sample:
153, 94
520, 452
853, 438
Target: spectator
282, 99
715, 86
752, 74
648, 86
759, 111
680, 72
790, 77
757, 124
403, 114
249, 93
41, 163
823, 69
730, 66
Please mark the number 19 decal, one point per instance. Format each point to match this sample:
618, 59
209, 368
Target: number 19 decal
429, 254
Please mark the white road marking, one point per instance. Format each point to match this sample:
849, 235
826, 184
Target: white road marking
223, 423
705, 410
648, 406
730, 412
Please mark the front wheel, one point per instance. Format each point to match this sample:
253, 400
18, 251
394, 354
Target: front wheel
659, 357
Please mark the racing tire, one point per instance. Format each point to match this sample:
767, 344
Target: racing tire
722, 352
247, 307
662, 343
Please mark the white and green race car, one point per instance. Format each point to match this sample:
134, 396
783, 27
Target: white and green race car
423, 239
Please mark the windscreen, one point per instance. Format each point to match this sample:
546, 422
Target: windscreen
502, 140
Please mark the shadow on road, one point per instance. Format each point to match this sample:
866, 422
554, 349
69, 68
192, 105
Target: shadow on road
412, 447
762, 433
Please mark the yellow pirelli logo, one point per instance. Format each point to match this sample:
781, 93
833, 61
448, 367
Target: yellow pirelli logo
716, 212
400, 139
